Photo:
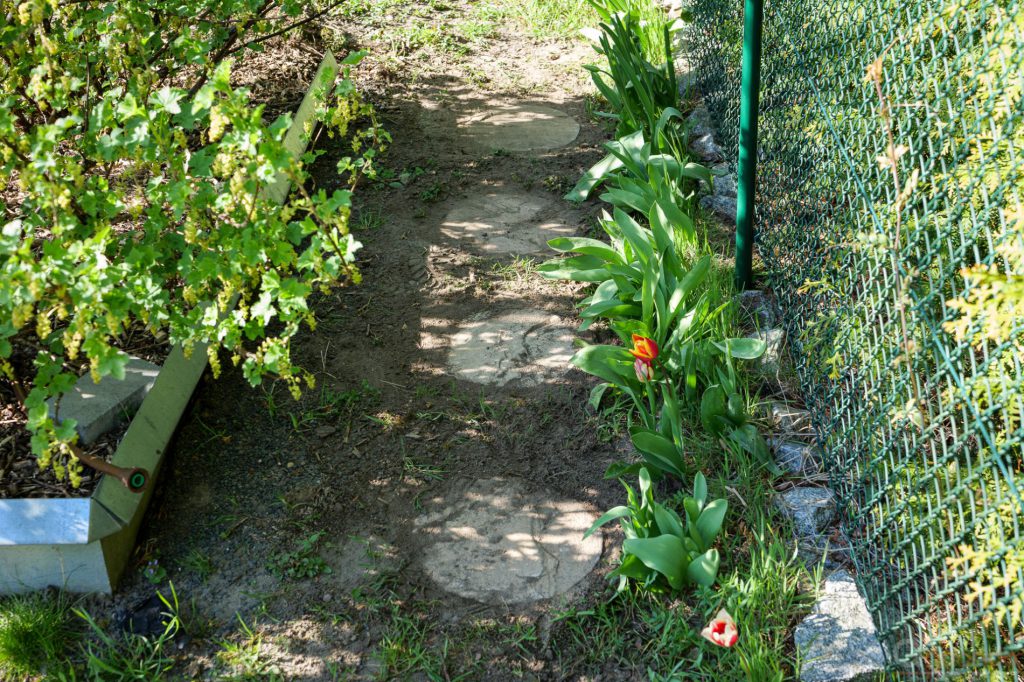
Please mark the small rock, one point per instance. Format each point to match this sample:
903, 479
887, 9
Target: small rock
724, 208
790, 420
704, 148
837, 640
797, 458
725, 186
325, 431
699, 122
810, 508
686, 78
771, 361
757, 307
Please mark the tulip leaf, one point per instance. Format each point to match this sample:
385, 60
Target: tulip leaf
645, 487
742, 348
692, 509
750, 440
664, 553
624, 198
704, 569
596, 394
659, 451
577, 269
700, 490
611, 309
668, 521
586, 246
635, 235
593, 177
675, 218
632, 567
614, 364
736, 409
713, 411
709, 523
620, 469
610, 515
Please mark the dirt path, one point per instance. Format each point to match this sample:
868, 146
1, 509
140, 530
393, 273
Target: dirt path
393, 424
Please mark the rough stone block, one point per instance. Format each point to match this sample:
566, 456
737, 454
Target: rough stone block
704, 148
837, 640
810, 508
771, 361
723, 208
725, 186
791, 420
98, 408
757, 307
699, 122
686, 77
797, 458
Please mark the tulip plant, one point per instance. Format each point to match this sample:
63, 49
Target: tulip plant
675, 358
661, 548
648, 296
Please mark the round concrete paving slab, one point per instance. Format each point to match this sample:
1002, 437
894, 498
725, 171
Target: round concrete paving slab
521, 128
497, 542
502, 222
528, 346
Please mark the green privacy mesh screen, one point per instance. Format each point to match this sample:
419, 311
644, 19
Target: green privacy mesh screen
891, 225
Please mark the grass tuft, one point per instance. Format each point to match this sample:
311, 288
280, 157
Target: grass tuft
35, 630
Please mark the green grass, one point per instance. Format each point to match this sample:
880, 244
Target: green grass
659, 635
35, 631
242, 657
131, 657
555, 18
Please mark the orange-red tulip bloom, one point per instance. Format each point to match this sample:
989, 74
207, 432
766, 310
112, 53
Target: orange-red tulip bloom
644, 348
644, 370
721, 630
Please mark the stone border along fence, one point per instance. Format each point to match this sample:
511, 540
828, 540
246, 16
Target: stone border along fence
84, 544
837, 641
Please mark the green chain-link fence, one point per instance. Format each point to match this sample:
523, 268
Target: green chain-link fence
891, 226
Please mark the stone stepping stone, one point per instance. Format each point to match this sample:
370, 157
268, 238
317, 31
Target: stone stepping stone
502, 222
498, 542
837, 640
520, 128
525, 346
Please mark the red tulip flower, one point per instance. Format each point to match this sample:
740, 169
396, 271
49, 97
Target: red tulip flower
721, 630
644, 370
644, 348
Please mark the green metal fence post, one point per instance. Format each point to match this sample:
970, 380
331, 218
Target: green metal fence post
753, 11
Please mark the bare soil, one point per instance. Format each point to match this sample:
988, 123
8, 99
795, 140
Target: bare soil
253, 473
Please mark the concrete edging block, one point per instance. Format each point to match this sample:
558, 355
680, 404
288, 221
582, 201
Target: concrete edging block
83, 544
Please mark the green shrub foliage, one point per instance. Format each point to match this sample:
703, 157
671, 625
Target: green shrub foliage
134, 184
